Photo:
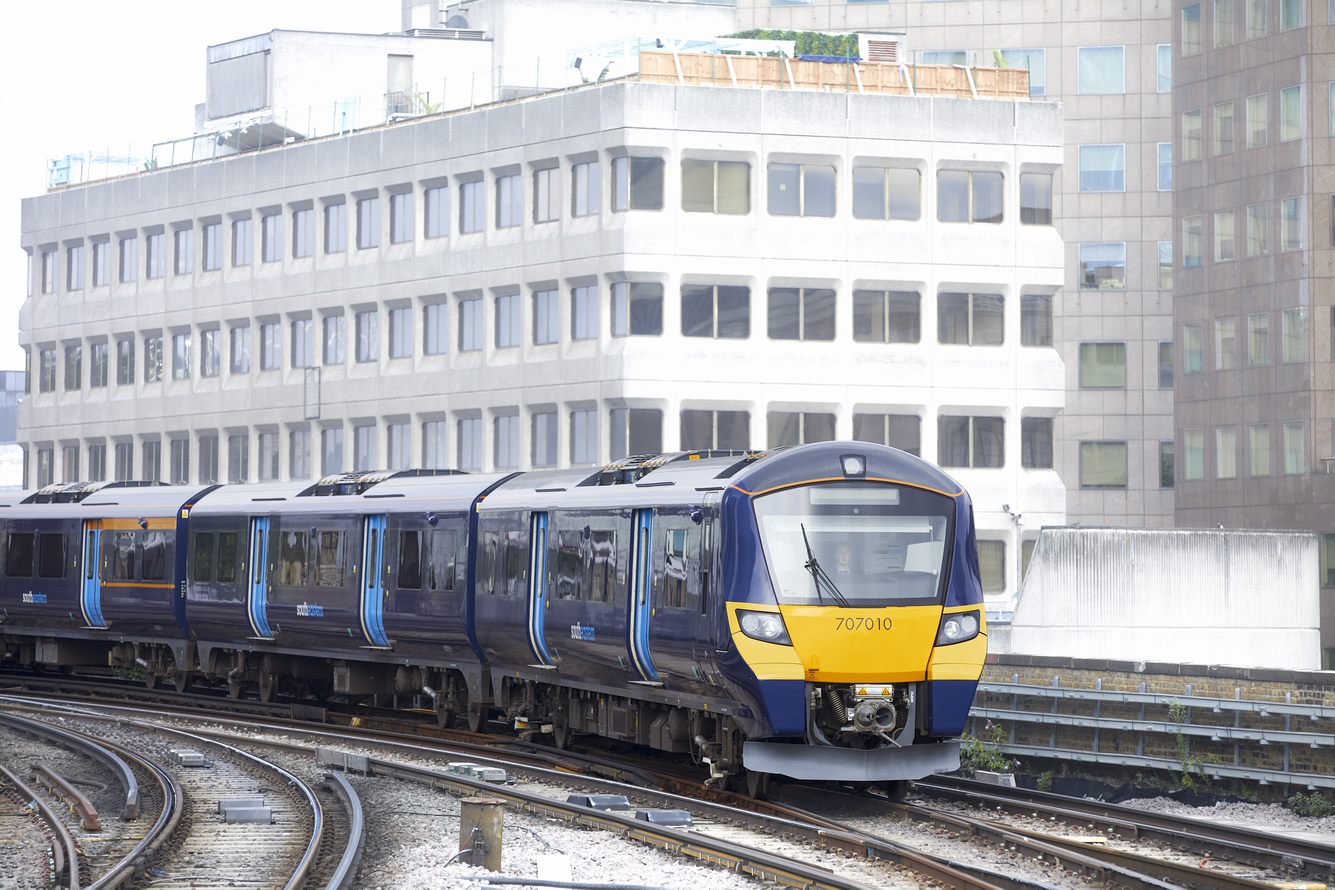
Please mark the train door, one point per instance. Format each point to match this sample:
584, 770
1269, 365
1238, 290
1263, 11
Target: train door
91, 601
641, 585
537, 587
373, 584
257, 590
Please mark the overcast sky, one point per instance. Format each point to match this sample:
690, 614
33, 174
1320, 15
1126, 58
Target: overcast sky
107, 77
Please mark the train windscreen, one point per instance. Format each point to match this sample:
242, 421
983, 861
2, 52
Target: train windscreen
855, 544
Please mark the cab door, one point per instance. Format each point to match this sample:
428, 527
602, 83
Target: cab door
257, 590
373, 584
641, 602
91, 600
537, 588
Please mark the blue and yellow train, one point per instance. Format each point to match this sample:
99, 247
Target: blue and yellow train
813, 612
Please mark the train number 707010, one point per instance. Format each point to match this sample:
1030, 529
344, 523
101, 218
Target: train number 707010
863, 623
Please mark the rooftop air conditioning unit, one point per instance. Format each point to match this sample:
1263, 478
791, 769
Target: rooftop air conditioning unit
887, 49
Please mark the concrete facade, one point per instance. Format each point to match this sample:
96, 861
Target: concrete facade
1101, 61
475, 307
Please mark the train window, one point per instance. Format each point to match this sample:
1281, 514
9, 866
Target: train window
442, 559
18, 555
329, 560
155, 556
227, 557
706, 564
51, 556
569, 565
602, 586
516, 564
491, 545
292, 559
202, 570
122, 557
410, 560
675, 594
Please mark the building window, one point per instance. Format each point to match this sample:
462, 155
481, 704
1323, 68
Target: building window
211, 246
547, 195
583, 436
1226, 452
1192, 227
992, 566
1103, 266
887, 316
720, 311
471, 330
1292, 14
1191, 29
1035, 319
1036, 443
1036, 199
303, 343
331, 450
129, 260
364, 449
967, 441
801, 313
1258, 441
1291, 224
436, 321
401, 332
1224, 26
1290, 113
268, 443
1293, 335
271, 346
335, 339
368, 223
709, 430
1258, 18
271, 241
74, 268
509, 321
181, 356
1191, 135
969, 196
48, 271
243, 242
1103, 465
546, 317
210, 352
401, 217
637, 183
1103, 366
584, 313
150, 470
469, 444
437, 212
124, 461
97, 360
1258, 120
971, 319
179, 456
155, 263
73, 368
509, 201
1295, 448
801, 190
153, 358
1258, 339
1192, 362
902, 431
46, 378
1035, 61
336, 227
1102, 70
722, 187
505, 447
472, 207
124, 362
798, 428
101, 263
303, 234
637, 309
585, 189
1165, 181
887, 193
1167, 459
1165, 265
1225, 343
1330, 116
1225, 239
97, 462
1258, 229
434, 453
1163, 68
1103, 168
398, 443
1223, 128
367, 327
928, 57
299, 454
544, 439
183, 241
635, 431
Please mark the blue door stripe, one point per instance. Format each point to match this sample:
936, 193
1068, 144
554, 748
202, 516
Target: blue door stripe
537, 607
641, 599
373, 600
259, 576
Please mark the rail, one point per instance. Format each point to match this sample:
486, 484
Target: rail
98, 751
64, 854
346, 873
80, 804
173, 808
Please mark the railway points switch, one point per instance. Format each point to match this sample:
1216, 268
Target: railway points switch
492, 774
186, 757
665, 817
600, 801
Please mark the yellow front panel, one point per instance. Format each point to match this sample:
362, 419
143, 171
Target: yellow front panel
882, 645
961, 661
770, 661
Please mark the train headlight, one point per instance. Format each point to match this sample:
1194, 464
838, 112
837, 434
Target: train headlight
768, 627
957, 628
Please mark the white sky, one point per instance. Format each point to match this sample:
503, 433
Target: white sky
108, 77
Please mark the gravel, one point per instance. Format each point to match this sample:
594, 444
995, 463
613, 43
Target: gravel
1267, 817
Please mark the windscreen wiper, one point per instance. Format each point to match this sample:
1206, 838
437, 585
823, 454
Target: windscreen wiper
818, 574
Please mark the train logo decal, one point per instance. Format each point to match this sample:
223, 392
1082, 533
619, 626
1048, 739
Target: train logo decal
583, 632
36, 599
310, 610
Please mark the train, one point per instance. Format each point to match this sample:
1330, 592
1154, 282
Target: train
813, 612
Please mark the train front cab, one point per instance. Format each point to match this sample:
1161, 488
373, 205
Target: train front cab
855, 600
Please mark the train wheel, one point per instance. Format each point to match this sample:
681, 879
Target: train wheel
150, 680
444, 717
183, 680
268, 688
477, 718
561, 733
234, 688
896, 790
757, 785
